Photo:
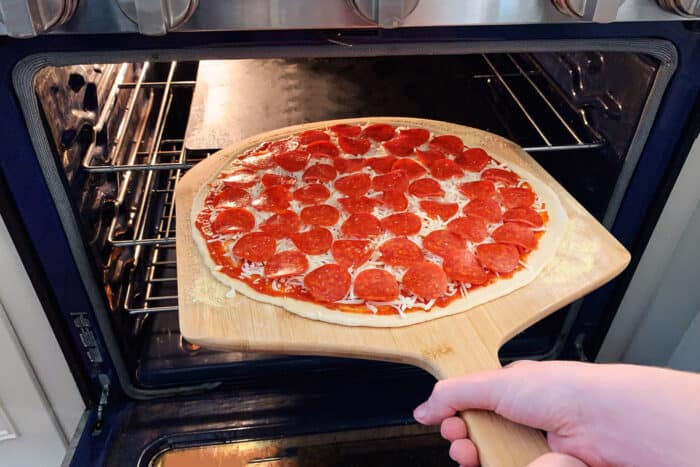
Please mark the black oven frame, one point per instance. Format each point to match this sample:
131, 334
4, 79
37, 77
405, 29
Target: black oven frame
57, 265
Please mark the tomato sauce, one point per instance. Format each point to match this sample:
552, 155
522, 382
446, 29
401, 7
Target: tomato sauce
219, 253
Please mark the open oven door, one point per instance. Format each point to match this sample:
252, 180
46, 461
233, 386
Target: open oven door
345, 411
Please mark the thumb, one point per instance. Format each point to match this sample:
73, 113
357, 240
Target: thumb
531, 393
555, 459
476, 391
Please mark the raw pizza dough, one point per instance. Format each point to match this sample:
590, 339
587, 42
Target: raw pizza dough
547, 244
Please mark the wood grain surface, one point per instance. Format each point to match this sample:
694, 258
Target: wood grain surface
588, 257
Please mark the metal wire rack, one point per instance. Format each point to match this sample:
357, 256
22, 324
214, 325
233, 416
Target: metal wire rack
152, 166
572, 131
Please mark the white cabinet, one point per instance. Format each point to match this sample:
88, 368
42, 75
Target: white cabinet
658, 322
40, 405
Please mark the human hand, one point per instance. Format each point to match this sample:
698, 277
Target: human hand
596, 415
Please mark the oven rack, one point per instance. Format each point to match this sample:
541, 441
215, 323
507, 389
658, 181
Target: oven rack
525, 69
163, 156
161, 161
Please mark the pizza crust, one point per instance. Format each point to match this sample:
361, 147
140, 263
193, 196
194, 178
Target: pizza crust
548, 243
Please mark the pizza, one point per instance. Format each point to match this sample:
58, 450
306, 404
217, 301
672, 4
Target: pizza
374, 222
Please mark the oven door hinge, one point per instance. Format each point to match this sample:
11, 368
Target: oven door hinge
102, 405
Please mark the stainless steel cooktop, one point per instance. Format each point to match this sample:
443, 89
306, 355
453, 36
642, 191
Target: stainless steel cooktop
27, 18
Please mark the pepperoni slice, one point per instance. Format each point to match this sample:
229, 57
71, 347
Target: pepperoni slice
498, 257
269, 180
376, 285
379, 132
313, 193
425, 188
313, 242
357, 204
329, 283
399, 146
442, 242
469, 228
396, 180
361, 225
353, 185
517, 197
319, 173
274, 199
479, 189
436, 210
445, 168
355, 146
286, 263
403, 223
309, 136
473, 160
394, 200
256, 247
292, 161
499, 175
463, 266
233, 220
525, 216
412, 168
486, 209
240, 178
321, 214
426, 280
325, 147
348, 165
382, 165
343, 129
416, 136
258, 161
351, 253
401, 252
515, 234
448, 143
281, 225
429, 156
232, 197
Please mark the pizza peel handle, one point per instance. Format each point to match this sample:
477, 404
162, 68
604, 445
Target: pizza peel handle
499, 442
462, 344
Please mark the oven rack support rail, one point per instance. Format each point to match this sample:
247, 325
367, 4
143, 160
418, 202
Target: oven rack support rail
155, 164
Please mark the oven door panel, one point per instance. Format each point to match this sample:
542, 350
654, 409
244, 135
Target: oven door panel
277, 405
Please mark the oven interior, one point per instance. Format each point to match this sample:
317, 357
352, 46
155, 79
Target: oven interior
120, 135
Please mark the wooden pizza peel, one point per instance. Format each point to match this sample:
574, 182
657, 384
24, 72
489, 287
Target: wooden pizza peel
587, 257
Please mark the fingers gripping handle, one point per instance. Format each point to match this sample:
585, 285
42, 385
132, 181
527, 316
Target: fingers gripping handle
502, 443
499, 442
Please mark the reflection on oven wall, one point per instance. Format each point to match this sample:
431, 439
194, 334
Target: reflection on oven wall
125, 133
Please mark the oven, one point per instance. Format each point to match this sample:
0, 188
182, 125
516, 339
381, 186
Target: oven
112, 102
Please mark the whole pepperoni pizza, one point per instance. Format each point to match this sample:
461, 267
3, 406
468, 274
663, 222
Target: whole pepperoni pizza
375, 222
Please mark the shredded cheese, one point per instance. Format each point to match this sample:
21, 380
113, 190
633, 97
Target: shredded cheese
406, 300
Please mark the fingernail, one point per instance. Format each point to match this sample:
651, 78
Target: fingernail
420, 412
